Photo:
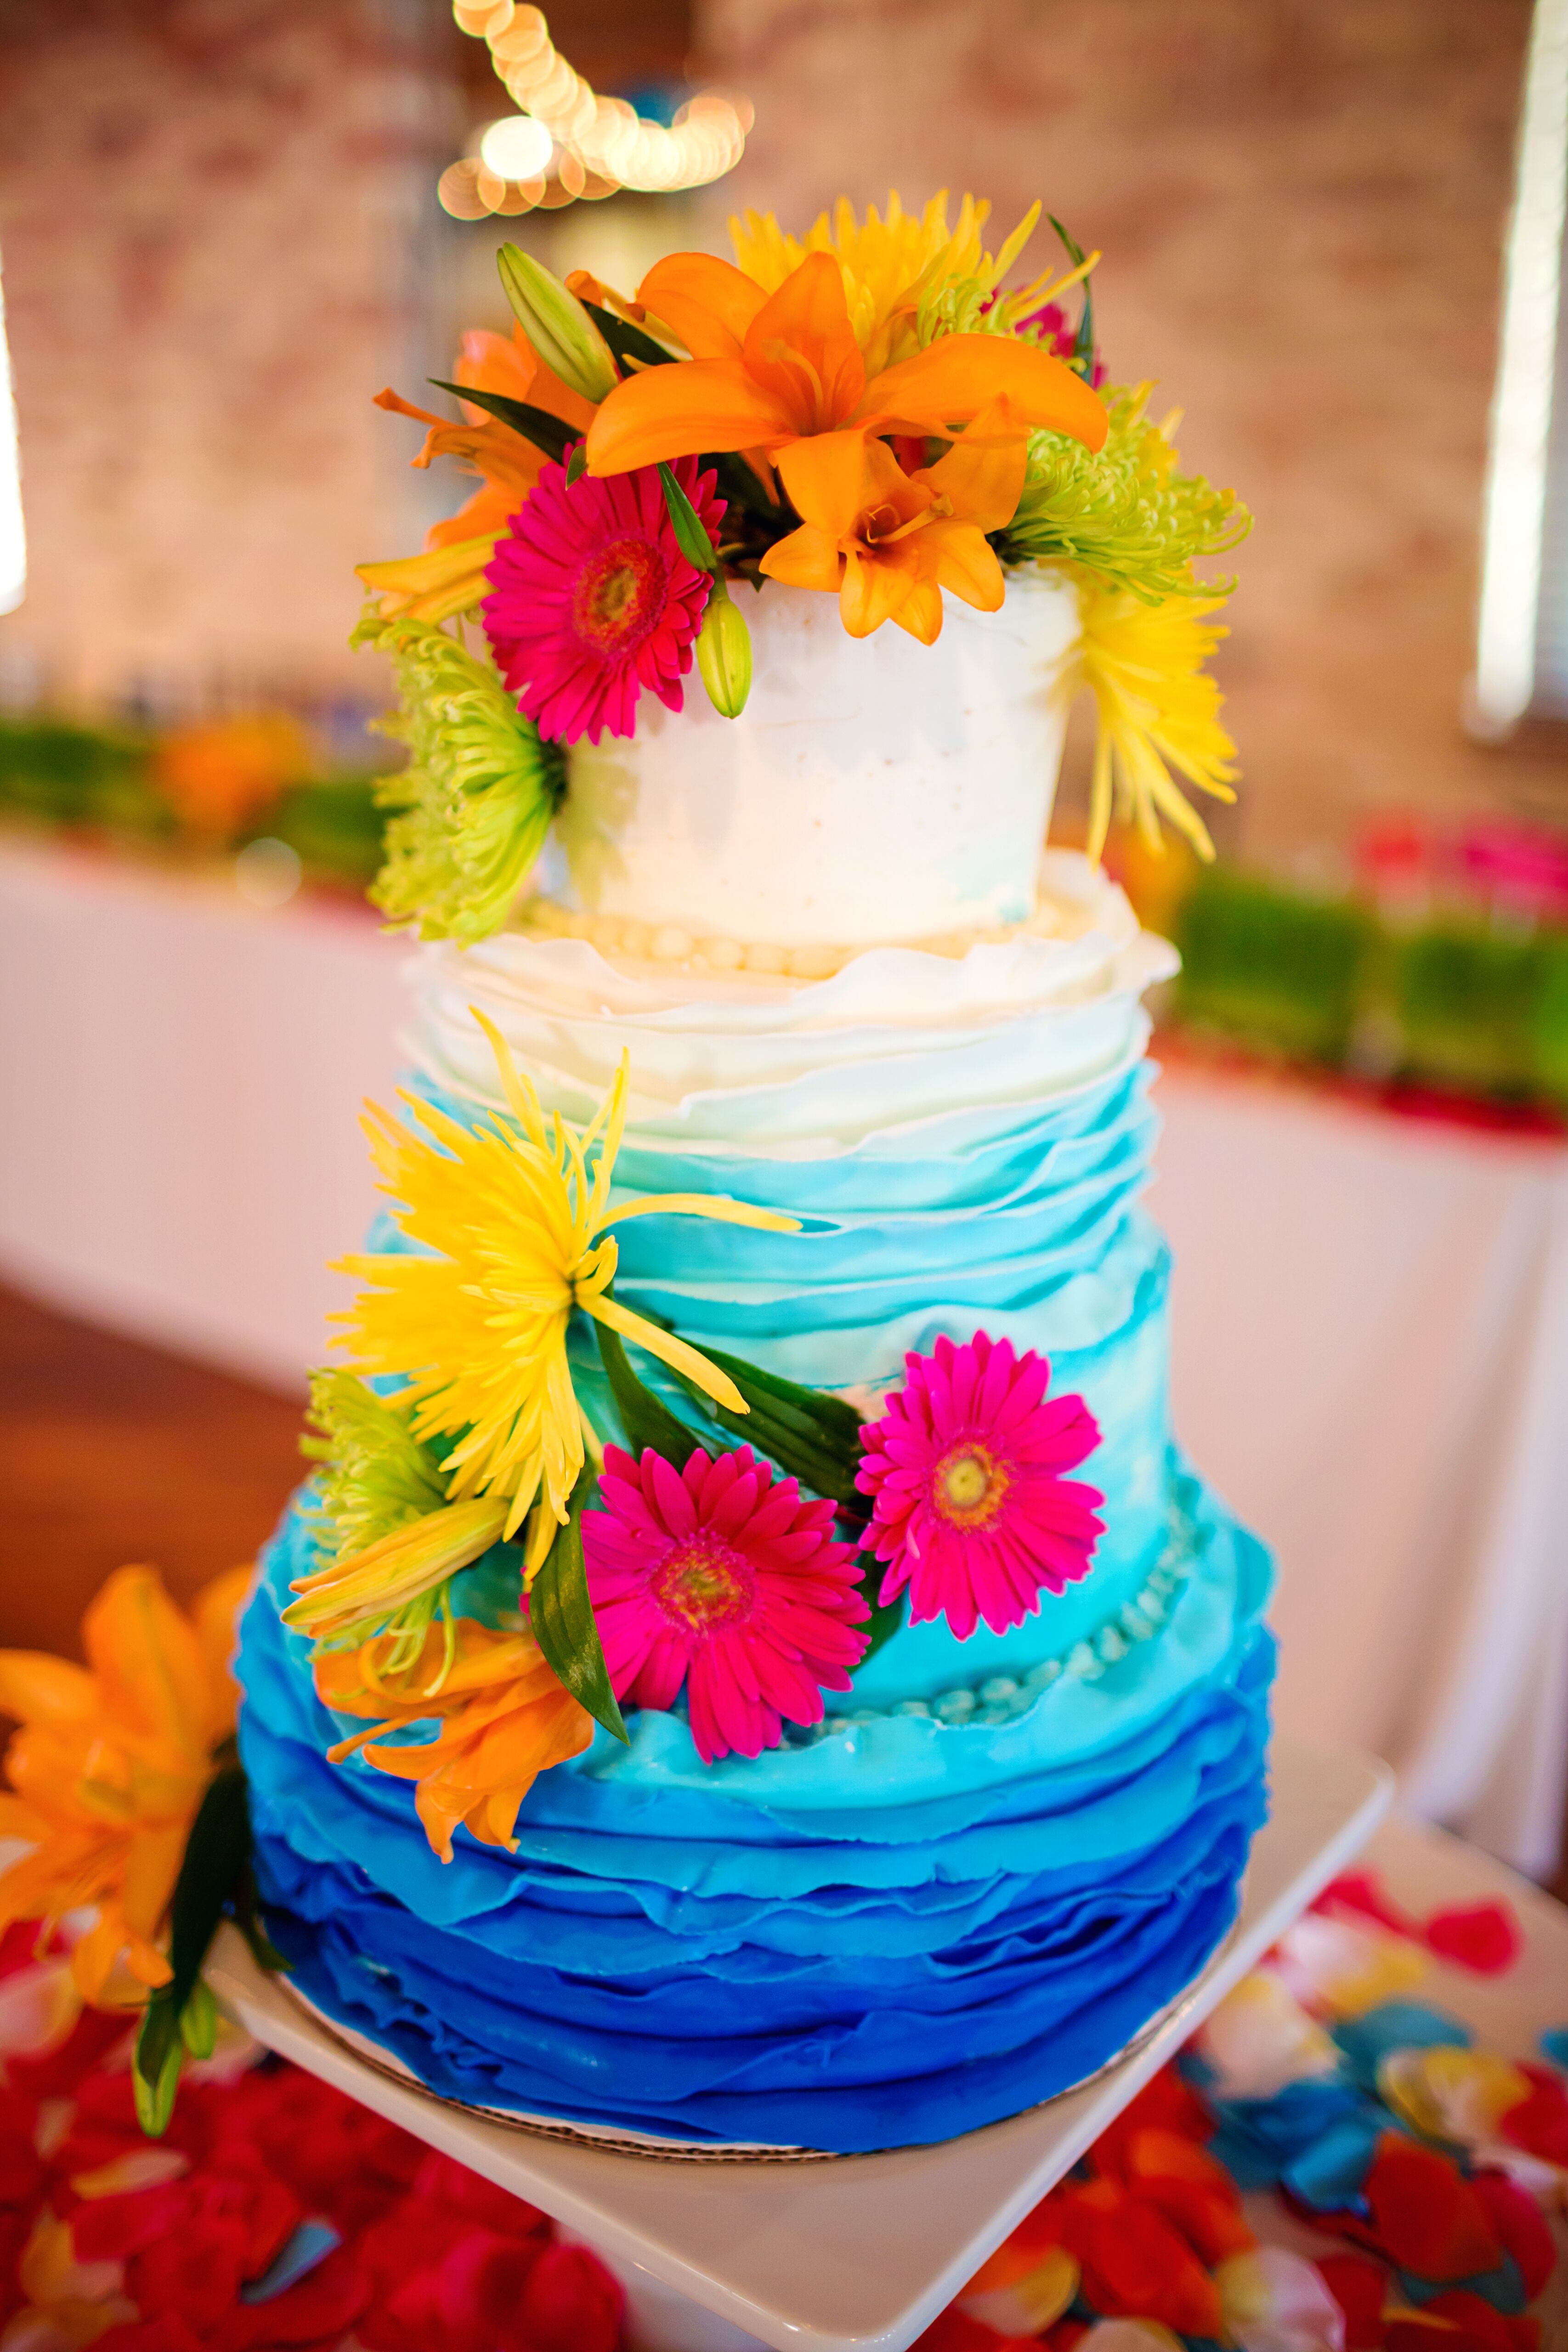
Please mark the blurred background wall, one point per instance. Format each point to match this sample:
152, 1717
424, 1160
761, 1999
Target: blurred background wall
218, 233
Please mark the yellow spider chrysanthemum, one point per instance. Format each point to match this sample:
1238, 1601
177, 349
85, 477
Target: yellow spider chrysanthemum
1157, 709
512, 1232
891, 263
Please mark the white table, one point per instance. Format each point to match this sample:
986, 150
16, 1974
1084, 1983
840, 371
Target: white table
1370, 1326
1369, 1359
852, 2253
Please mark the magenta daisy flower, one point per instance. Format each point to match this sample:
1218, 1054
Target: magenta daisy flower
591, 598
719, 1577
968, 1506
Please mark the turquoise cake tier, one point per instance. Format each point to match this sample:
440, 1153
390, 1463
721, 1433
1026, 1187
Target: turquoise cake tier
994, 1860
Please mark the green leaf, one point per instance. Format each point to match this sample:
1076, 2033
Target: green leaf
690, 531
626, 341
887, 1618
217, 1852
560, 1619
198, 2021
646, 1421
155, 2065
739, 487
1083, 348
249, 1919
813, 1437
536, 424
577, 464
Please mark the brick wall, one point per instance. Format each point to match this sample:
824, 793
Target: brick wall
209, 221
218, 238
1302, 204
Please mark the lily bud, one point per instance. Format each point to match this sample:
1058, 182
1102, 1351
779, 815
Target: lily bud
724, 652
557, 325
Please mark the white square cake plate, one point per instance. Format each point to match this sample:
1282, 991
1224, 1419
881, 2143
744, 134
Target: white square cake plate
857, 2254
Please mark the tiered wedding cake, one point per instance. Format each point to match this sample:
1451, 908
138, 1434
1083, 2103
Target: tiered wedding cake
870, 1764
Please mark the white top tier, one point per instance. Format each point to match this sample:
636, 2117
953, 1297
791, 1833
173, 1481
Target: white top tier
873, 789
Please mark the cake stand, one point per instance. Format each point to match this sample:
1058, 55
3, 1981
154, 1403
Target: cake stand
854, 2253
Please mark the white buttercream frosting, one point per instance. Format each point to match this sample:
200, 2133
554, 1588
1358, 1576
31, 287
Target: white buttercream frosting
774, 1064
873, 789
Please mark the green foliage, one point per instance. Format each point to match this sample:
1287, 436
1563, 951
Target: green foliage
377, 1476
1124, 512
472, 807
1281, 971
646, 1420
560, 1619
54, 772
181, 2015
812, 1436
1467, 999
887, 1617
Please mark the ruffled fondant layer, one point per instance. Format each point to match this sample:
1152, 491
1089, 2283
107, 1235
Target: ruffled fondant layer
897, 1934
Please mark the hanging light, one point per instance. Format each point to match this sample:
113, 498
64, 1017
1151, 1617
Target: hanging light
565, 141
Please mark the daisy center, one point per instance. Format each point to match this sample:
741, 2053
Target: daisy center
970, 1484
620, 597
703, 1583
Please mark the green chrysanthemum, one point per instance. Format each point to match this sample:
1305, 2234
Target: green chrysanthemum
476, 799
378, 1477
1125, 514
380, 1482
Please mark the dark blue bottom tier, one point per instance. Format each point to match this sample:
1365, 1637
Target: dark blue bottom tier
661, 1955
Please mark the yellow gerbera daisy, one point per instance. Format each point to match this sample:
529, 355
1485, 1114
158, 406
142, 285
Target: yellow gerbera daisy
1157, 709
512, 1228
891, 263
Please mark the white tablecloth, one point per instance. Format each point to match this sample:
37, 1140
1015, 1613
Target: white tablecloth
181, 1076
1371, 1324
1370, 1361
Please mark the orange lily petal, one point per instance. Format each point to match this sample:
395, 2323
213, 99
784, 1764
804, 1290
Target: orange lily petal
982, 476
920, 612
962, 559
824, 475
510, 364
148, 1661
873, 589
486, 516
150, 1869
446, 579
37, 1688
801, 347
956, 377
808, 558
678, 411
215, 1612
709, 303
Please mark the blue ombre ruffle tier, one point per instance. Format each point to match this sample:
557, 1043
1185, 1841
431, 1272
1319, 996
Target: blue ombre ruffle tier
999, 1858
889, 1938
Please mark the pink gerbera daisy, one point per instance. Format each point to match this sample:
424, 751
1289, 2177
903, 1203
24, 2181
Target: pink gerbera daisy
968, 1506
719, 1577
591, 598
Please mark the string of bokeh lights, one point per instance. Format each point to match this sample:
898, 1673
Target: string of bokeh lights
565, 141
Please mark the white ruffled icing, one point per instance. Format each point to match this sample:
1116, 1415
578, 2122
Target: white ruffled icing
772, 1065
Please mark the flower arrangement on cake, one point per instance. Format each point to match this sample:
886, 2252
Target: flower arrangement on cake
872, 411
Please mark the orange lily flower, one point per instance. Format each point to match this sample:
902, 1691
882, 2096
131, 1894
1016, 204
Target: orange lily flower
449, 577
504, 1719
889, 541
109, 1768
772, 372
